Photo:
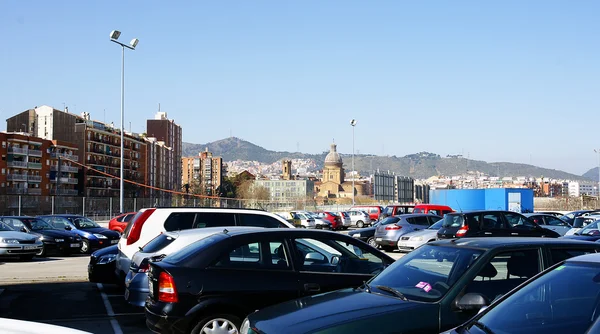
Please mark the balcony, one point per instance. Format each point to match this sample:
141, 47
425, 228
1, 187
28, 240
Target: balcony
16, 177
64, 168
66, 192
34, 178
34, 165
56, 155
17, 150
34, 191
65, 180
16, 191
17, 164
35, 153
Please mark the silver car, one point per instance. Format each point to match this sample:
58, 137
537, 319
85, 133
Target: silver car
346, 220
389, 231
550, 222
14, 243
411, 241
359, 218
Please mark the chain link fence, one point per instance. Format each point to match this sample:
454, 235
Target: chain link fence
565, 203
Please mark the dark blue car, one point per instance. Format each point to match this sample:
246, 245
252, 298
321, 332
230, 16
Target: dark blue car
94, 236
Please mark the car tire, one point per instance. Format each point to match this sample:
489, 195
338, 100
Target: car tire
218, 321
85, 247
371, 241
360, 224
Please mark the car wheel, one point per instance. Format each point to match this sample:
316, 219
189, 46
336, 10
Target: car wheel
85, 247
360, 224
371, 241
218, 323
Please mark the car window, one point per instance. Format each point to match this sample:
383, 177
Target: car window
247, 219
158, 243
178, 221
437, 225
562, 300
552, 221
433, 212
560, 254
591, 229
335, 256
389, 220
16, 224
418, 220
491, 221
504, 272
37, 224
255, 255
5, 227
515, 220
434, 219
58, 222
453, 221
83, 223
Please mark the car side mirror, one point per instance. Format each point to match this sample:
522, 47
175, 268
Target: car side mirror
314, 257
335, 260
472, 302
23, 229
68, 228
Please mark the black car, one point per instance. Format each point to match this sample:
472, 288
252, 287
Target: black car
434, 288
215, 282
366, 234
94, 236
55, 241
562, 299
491, 224
101, 268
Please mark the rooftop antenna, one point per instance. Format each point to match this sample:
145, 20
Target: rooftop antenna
158, 106
459, 208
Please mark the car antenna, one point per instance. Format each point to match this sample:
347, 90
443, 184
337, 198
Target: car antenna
459, 208
225, 231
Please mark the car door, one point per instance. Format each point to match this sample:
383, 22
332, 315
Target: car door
520, 226
492, 225
329, 263
556, 225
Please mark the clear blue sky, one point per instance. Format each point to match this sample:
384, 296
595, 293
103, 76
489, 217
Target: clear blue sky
515, 81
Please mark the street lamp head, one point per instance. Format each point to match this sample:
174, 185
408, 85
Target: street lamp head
115, 34
134, 42
353, 122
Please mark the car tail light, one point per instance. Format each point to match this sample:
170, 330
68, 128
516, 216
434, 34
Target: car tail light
136, 229
462, 231
166, 288
393, 227
144, 266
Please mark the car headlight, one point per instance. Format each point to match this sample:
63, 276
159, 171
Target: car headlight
100, 236
41, 237
10, 241
106, 259
59, 240
245, 327
355, 235
417, 238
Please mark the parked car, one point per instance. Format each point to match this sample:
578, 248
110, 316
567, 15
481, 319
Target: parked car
346, 220
306, 221
290, 217
413, 240
55, 241
333, 218
434, 209
320, 222
93, 235
366, 234
242, 271
101, 268
589, 233
119, 223
394, 210
431, 289
374, 211
136, 282
491, 224
552, 213
18, 244
150, 222
389, 231
13, 326
570, 217
581, 222
550, 222
359, 219
562, 299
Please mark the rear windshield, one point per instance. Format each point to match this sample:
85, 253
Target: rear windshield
389, 220
580, 222
192, 250
453, 221
157, 244
419, 210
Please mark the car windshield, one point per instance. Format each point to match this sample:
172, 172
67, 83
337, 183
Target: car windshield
590, 229
565, 296
582, 221
389, 220
83, 223
436, 226
453, 221
427, 273
4, 227
36, 224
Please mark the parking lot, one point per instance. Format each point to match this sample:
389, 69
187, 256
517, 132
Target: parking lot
55, 290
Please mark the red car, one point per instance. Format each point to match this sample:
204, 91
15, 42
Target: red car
119, 223
333, 218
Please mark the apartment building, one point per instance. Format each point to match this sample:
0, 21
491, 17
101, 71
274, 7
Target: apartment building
159, 173
165, 130
203, 174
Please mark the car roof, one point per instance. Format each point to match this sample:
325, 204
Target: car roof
409, 215
589, 258
497, 242
210, 230
17, 217
479, 211
537, 214
296, 232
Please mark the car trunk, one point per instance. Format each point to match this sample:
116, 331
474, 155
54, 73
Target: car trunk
453, 223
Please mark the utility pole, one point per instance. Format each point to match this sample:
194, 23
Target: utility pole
58, 182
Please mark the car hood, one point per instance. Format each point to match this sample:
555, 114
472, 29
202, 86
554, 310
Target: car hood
366, 229
53, 233
347, 308
107, 251
16, 235
583, 237
426, 233
101, 230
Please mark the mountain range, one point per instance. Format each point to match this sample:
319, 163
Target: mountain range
419, 165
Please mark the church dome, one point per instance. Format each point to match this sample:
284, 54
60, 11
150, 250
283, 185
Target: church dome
333, 158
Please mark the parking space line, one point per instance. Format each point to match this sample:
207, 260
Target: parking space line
109, 311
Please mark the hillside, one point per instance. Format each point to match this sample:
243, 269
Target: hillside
419, 165
591, 174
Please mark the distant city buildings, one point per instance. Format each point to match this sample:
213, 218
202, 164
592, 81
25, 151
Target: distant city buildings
202, 175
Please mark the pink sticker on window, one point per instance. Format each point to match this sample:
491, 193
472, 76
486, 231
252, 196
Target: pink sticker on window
421, 285
427, 288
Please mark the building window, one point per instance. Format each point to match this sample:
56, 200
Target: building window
3, 171
3, 144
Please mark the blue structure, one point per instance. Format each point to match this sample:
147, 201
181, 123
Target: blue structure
512, 199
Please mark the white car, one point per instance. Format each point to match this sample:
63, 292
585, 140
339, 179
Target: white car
581, 222
306, 220
150, 222
319, 221
359, 219
12, 326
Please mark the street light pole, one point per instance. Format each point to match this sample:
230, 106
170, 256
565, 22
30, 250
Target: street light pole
598, 151
353, 123
114, 35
